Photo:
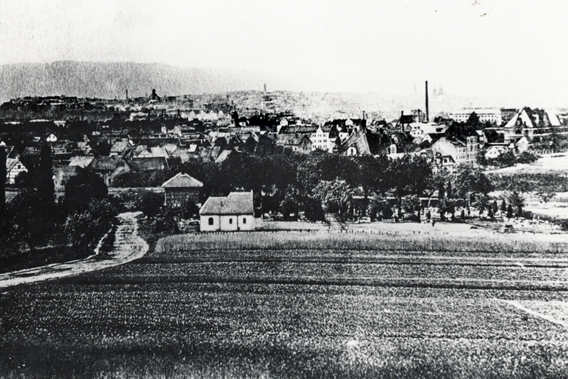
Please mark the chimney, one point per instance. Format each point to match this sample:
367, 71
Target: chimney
402, 121
127, 94
427, 110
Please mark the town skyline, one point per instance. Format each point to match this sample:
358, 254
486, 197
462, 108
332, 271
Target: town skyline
479, 49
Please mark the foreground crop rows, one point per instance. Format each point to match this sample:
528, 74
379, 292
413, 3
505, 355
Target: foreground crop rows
294, 313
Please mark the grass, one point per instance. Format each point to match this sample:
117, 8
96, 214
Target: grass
15, 260
299, 305
422, 238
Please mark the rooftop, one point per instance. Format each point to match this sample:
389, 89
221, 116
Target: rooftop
182, 181
235, 203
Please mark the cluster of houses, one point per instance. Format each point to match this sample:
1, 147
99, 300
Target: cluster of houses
147, 144
186, 139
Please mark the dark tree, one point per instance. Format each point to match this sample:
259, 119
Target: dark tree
289, 207
2, 183
473, 119
85, 226
408, 176
44, 179
335, 196
103, 148
82, 188
441, 191
469, 182
151, 203
250, 145
190, 210
313, 210
517, 201
310, 171
235, 116
34, 219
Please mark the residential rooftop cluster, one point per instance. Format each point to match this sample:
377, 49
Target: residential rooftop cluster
146, 134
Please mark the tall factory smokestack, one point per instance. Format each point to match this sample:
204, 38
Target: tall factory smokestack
427, 110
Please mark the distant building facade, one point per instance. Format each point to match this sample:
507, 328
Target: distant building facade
484, 115
455, 152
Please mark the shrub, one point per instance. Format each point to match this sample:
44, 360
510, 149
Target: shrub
86, 226
151, 203
313, 210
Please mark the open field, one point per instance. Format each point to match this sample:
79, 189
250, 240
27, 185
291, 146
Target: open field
312, 305
547, 163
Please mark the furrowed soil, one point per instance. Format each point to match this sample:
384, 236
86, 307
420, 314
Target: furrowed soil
301, 305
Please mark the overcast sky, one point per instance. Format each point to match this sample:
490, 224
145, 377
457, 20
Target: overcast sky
502, 49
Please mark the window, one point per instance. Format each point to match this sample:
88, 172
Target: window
244, 220
211, 222
230, 221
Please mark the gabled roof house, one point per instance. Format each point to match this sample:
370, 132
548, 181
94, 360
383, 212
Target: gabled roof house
230, 213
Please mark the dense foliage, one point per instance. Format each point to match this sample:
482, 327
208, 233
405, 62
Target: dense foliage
34, 220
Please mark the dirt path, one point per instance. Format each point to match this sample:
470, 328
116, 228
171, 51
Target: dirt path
128, 246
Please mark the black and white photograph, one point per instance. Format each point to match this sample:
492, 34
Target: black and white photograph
283, 189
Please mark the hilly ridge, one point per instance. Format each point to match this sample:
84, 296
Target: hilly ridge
110, 80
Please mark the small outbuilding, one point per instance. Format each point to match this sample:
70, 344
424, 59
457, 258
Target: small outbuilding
181, 189
13, 168
230, 213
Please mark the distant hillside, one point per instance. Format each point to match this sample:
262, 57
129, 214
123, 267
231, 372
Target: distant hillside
110, 80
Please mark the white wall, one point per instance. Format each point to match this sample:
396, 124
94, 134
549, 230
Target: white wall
246, 222
229, 223
223, 223
204, 225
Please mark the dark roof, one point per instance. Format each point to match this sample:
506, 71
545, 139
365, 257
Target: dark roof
435, 136
378, 142
291, 139
300, 129
119, 146
106, 163
336, 122
235, 203
359, 122
148, 163
182, 181
31, 151
359, 141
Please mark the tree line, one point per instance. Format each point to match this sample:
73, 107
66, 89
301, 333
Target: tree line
321, 182
35, 218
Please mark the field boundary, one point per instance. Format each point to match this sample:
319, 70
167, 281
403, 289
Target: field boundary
534, 313
127, 247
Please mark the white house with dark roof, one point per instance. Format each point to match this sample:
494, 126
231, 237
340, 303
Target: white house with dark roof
229, 213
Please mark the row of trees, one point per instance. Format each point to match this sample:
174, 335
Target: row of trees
508, 159
34, 218
322, 182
